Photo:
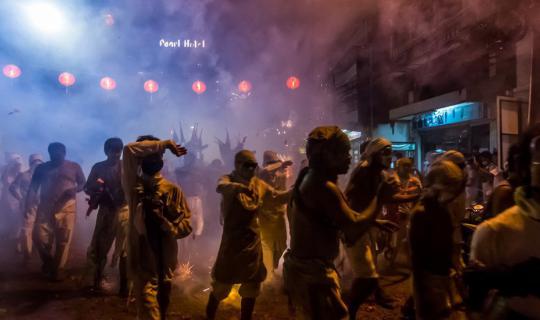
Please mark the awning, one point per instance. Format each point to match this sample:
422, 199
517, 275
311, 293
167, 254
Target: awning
406, 112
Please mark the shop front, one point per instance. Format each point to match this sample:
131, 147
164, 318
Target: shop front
446, 123
462, 127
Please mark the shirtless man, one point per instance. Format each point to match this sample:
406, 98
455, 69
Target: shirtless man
57, 182
361, 191
319, 213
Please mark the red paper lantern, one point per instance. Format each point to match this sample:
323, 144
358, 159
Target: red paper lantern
244, 86
151, 86
108, 83
66, 79
109, 19
12, 71
293, 83
199, 87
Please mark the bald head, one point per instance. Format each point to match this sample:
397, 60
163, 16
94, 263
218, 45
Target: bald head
328, 149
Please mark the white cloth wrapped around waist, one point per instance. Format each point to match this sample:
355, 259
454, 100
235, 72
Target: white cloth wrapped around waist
197, 214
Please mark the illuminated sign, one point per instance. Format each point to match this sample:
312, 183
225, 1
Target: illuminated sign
185, 43
403, 146
449, 115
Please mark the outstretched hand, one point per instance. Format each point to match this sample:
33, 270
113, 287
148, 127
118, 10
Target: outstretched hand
286, 164
177, 149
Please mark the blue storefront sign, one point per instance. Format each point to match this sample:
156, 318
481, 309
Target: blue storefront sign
448, 115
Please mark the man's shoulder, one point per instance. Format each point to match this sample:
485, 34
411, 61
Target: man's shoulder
42, 167
504, 220
99, 165
229, 176
319, 189
418, 209
415, 180
361, 167
71, 164
170, 186
25, 174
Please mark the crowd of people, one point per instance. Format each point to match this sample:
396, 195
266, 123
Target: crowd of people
144, 210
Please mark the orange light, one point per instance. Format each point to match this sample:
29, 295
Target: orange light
12, 71
66, 79
108, 83
198, 87
151, 86
293, 83
244, 86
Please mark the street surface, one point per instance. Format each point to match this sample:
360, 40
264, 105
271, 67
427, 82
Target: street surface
25, 294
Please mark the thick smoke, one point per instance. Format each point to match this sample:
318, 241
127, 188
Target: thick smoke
263, 42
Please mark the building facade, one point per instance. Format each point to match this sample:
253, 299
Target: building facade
456, 73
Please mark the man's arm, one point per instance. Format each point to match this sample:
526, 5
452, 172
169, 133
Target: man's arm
79, 177
403, 198
92, 186
177, 223
502, 199
15, 187
278, 197
35, 184
354, 224
132, 154
226, 186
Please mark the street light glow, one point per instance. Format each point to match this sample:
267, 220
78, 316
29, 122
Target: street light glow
45, 17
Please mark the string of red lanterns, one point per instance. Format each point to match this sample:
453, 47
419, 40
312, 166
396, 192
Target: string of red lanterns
67, 79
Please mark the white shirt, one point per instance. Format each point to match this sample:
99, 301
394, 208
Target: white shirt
506, 240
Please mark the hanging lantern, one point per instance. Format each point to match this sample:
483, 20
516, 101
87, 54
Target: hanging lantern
244, 86
293, 83
151, 86
108, 83
66, 79
12, 71
109, 19
199, 87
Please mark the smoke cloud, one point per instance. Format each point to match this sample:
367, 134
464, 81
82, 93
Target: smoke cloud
263, 42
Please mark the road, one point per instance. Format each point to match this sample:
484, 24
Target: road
25, 294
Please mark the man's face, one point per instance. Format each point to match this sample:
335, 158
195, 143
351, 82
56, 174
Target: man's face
152, 164
384, 157
57, 155
484, 161
404, 170
339, 160
246, 170
114, 155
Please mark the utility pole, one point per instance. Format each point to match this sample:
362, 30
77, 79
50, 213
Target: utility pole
370, 91
534, 83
